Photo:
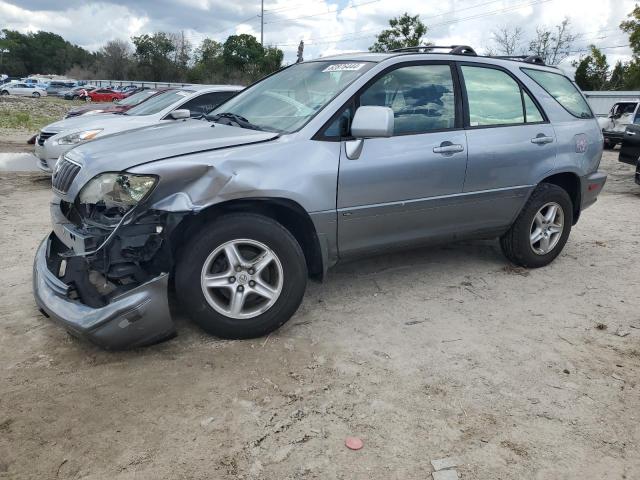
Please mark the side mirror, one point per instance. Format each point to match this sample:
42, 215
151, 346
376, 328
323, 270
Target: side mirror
180, 114
372, 122
368, 122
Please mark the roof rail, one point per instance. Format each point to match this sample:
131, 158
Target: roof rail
536, 59
453, 49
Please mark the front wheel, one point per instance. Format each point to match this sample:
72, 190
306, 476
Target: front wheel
541, 230
4, 92
35, 95
242, 276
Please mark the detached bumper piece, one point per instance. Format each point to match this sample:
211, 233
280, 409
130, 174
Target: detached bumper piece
137, 317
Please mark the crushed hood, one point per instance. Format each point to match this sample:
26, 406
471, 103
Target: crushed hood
128, 149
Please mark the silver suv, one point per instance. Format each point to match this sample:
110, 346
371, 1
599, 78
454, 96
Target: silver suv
322, 161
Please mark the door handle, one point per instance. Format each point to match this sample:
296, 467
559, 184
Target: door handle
541, 139
628, 132
448, 147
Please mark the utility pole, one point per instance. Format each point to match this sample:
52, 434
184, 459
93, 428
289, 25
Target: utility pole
262, 22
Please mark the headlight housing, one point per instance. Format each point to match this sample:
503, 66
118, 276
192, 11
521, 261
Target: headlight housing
111, 195
77, 137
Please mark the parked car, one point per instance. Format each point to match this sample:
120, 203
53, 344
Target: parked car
22, 90
57, 138
103, 95
614, 125
71, 93
630, 149
57, 88
9, 80
119, 106
320, 162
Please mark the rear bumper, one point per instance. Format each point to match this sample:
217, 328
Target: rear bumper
136, 318
613, 136
592, 185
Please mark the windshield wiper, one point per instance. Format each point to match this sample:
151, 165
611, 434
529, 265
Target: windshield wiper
228, 118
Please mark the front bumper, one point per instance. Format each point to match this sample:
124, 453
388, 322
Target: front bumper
49, 153
136, 318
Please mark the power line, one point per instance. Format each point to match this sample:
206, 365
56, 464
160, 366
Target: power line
357, 35
325, 13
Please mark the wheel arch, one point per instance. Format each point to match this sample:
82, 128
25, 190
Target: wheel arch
287, 212
569, 182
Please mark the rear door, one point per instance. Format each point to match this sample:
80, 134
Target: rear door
630, 149
510, 142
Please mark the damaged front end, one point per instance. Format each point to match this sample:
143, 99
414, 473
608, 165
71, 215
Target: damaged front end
103, 272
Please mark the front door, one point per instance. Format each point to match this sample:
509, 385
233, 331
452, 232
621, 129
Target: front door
403, 189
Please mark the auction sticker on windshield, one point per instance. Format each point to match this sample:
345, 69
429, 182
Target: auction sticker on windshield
344, 67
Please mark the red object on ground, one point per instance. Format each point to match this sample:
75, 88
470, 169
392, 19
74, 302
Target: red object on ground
105, 95
353, 443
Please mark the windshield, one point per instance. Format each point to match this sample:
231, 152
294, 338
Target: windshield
287, 100
136, 98
159, 102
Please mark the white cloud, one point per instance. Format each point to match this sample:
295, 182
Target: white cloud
330, 26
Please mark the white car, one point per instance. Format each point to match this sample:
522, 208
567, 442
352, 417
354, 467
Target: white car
22, 90
58, 138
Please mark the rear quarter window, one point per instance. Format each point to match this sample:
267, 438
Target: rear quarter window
562, 90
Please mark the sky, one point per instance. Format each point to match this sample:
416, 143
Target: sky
326, 26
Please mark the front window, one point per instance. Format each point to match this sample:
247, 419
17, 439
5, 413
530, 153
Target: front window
287, 100
159, 102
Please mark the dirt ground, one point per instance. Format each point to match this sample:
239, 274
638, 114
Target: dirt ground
422, 354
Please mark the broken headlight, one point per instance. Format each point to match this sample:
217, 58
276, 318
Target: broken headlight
108, 196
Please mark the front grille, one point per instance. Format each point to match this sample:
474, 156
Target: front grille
44, 136
64, 174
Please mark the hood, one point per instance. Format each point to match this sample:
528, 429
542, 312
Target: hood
128, 149
108, 108
108, 123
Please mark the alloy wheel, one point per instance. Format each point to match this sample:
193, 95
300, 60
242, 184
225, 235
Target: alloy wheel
546, 228
242, 278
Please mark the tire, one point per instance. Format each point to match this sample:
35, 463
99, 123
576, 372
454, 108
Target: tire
35, 95
4, 92
517, 243
206, 309
88, 99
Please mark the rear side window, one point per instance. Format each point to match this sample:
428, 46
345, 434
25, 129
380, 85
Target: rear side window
562, 90
495, 98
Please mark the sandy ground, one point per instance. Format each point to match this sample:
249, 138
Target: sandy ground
423, 354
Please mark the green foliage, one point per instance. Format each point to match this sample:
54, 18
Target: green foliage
632, 27
405, 31
40, 52
592, 71
152, 53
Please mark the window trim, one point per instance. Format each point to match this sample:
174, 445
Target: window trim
354, 101
465, 98
573, 84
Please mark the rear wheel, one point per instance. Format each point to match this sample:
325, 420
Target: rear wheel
608, 145
541, 230
242, 276
4, 92
35, 95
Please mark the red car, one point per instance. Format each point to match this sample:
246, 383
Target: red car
119, 106
103, 95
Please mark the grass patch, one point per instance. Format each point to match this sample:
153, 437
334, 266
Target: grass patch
24, 120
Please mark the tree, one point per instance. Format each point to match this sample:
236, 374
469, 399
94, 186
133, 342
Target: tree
405, 31
592, 71
618, 76
553, 45
153, 55
115, 59
507, 41
632, 27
